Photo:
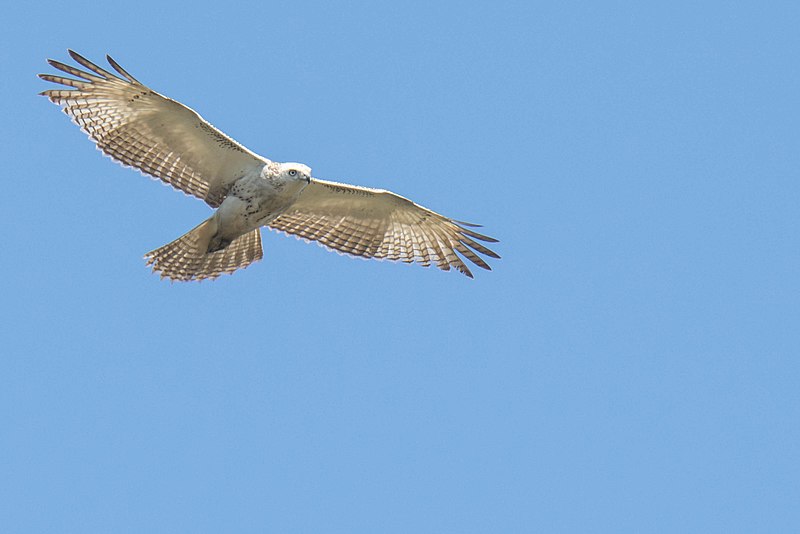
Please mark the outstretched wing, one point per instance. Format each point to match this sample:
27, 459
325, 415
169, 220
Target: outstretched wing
373, 223
161, 137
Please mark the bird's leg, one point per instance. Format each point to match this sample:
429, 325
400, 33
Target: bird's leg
218, 243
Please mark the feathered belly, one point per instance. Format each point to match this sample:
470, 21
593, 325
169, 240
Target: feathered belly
237, 216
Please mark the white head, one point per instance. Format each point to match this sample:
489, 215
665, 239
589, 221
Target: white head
291, 178
292, 172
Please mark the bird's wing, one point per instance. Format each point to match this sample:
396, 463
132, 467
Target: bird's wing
157, 135
373, 223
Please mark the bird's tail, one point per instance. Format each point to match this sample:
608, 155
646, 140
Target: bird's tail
187, 258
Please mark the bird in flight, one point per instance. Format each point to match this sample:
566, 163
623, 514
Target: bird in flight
161, 137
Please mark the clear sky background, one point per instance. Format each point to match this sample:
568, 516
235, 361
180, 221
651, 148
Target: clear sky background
630, 365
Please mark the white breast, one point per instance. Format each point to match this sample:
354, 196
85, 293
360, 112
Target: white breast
253, 202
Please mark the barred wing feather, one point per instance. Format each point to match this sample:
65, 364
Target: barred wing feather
157, 135
374, 223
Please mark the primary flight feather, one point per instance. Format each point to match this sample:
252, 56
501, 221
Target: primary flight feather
163, 138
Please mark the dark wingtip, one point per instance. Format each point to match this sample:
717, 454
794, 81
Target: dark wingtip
471, 225
120, 70
79, 58
476, 235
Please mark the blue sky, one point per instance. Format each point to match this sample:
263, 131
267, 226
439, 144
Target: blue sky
630, 365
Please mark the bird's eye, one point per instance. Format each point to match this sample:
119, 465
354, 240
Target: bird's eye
293, 173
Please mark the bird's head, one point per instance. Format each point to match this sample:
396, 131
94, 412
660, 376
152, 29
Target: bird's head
295, 172
291, 178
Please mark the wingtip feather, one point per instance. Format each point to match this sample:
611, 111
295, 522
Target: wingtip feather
471, 225
91, 66
119, 69
74, 55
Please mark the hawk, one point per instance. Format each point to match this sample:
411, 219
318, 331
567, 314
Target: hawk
161, 137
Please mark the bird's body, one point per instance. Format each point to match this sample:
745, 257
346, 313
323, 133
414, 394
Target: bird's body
255, 200
167, 140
